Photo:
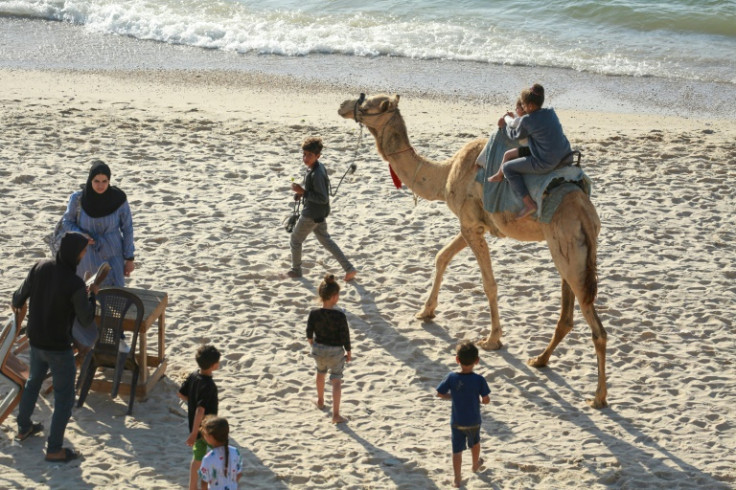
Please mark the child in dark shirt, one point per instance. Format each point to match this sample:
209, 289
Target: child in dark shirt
328, 334
200, 393
467, 390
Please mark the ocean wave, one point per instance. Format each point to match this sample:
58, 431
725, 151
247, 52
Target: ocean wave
594, 38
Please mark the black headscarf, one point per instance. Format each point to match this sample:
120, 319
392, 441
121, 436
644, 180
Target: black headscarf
72, 244
99, 205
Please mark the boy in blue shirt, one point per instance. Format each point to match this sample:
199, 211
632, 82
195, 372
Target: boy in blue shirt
467, 390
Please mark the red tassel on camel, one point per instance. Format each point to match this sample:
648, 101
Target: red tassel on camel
395, 178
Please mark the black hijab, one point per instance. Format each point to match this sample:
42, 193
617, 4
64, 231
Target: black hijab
99, 205
72, 244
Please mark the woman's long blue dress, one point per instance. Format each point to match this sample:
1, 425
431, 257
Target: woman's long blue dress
113, 236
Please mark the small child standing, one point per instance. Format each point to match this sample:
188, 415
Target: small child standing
467, 390
329, 336
200, 393
222, 467
548, 146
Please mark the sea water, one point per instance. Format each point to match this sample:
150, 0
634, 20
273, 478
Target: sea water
687, 47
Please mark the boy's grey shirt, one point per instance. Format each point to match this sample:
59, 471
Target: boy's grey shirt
316, 199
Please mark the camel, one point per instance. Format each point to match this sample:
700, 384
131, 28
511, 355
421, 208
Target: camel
571, 234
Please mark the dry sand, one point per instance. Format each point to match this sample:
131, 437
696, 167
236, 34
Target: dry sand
206, 160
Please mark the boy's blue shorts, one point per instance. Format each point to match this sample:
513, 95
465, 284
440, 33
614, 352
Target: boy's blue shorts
463, 435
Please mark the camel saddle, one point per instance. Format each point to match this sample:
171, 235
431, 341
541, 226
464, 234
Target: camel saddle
547, 190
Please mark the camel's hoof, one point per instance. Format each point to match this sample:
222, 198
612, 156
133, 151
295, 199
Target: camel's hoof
424, 315
537, 362
490, 344
598, 404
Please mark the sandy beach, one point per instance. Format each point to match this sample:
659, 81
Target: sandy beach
206, 159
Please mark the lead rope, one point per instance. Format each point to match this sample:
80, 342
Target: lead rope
414, 181
353, 166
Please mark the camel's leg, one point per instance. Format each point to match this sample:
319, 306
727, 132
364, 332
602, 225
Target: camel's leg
600, 338
575, 259
441, 261
564, 325
477, 242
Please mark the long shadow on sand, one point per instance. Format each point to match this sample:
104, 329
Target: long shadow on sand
164, 439
376, 326
395, 468
53, 475
637, 463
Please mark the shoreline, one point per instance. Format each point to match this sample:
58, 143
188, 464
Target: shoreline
233, 92
38, 45
206, 159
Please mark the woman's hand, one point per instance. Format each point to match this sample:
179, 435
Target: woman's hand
128, 268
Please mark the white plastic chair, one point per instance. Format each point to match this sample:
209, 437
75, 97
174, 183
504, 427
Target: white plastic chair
13, 372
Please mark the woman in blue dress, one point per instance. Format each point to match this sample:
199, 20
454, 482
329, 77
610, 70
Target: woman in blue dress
101, 212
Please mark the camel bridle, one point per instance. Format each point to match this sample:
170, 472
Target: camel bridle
357, 110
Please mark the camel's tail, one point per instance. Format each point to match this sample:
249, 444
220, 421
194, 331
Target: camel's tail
591, 227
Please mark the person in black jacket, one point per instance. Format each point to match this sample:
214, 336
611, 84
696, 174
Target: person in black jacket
315, 196
56, 295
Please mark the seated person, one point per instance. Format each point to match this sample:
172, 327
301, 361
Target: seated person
548, 145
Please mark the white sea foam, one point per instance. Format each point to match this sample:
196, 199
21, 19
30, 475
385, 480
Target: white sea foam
583, 39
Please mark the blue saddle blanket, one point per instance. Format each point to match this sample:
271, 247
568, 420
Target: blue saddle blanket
499, 197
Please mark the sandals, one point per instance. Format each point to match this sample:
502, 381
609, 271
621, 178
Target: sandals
35, 429
69, 455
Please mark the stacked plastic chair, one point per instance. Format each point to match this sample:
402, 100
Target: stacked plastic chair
114, 311
13, 372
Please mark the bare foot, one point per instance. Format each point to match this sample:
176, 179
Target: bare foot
456, 483
478, 465
338, 419
497, 177
526, 211
320, 404
350, 276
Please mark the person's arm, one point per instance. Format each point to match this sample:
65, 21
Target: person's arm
485, 392
240, 466
310, 328
85, 306
203, 477
70, 221
519, 132
345, 337
183, 392
198, 416
443, 390
126, 227
20, 296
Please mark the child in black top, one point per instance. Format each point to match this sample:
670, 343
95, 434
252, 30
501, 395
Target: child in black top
328, 334
200, 393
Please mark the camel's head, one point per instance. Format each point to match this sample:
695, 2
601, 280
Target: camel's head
369, 110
